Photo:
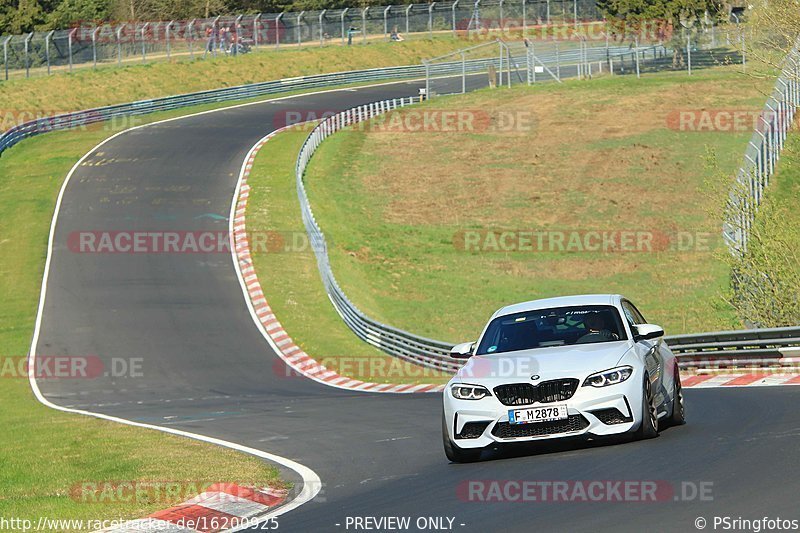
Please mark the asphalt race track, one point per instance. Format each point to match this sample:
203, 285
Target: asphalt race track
207, 369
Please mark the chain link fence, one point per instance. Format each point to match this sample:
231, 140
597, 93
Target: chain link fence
90, 45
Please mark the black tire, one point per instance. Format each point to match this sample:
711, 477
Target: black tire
678, 415
648, 429
456, 454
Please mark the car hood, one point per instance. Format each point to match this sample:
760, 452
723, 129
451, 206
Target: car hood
576, 361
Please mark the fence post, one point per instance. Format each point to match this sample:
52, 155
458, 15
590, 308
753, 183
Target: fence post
169, 49
190, 38
27, 62
744, 54
689, 51
69, 46
638, 72
430, 19
321, 33
47, 48
119, 44
386, 21
408, 8
5, 54
533, 62
558, 63
575, 12
277, 30
501, 15
548, 12
299, 22
94, 46
144, 48
453, 7
364, 24
524, 17
341, 18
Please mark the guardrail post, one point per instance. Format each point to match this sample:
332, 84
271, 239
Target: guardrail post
463, 73
364, 24
408, 9
169, 49
256, 20
277, 30
94, 47
27, 62
386, 20
5, 54
299, 33
430, 19
321, 33
144, 48
453, 8
341, 18
47, 48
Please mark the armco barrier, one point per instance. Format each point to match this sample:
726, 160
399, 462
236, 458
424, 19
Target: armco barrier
721, 349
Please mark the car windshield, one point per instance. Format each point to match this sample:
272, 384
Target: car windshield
558, 326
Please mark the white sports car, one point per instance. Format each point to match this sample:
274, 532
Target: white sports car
578, 366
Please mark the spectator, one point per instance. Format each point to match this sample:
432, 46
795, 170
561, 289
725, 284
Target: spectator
395, 36
211, 36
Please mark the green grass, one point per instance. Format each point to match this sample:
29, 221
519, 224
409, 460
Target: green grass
290, 279
87, 88
45, 453
601, 157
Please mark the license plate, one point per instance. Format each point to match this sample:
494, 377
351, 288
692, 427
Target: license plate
532, 415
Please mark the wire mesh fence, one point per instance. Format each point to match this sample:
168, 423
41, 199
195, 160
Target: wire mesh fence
91, 45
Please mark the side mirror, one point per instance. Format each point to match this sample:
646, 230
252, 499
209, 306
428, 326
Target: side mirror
642, 332
462, 351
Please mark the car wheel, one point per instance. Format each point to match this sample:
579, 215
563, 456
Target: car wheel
649, 426
453, 452
678, 416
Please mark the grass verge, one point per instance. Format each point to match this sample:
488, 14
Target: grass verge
88, 88
605, 156
290, 279
45, 454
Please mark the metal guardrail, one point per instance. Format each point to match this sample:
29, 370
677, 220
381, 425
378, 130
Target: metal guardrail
718, 349
91, 116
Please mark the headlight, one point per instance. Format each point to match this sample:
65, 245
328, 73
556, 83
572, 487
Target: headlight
609, 377
469, 392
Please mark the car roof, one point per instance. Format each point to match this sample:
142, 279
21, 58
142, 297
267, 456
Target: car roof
561, 301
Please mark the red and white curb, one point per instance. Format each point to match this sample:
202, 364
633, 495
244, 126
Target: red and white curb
755, 379
222, 507
294, 357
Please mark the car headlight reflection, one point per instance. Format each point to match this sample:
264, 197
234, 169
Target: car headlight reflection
469, 392
609, 377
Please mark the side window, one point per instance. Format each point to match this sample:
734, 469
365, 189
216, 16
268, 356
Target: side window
637, 315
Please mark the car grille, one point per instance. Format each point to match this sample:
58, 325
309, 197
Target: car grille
504, 430
611, 416
556, 390
472, 430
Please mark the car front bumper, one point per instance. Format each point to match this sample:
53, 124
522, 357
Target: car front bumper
592, 412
